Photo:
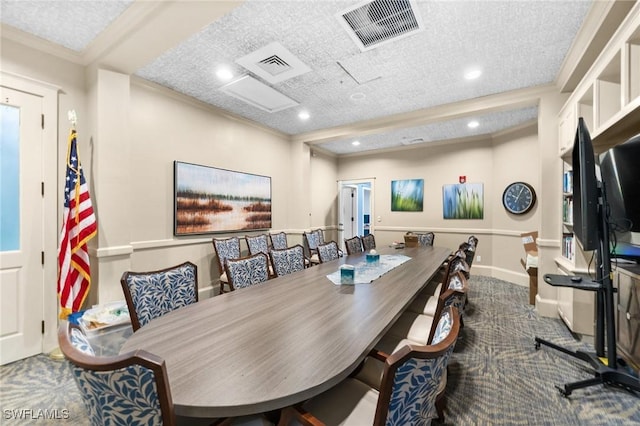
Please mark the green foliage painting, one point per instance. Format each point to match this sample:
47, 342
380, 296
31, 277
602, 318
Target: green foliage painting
406, 195
463, 201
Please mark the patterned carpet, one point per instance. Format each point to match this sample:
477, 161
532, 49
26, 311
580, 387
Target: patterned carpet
496, 376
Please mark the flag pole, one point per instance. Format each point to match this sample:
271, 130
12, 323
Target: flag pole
56, 354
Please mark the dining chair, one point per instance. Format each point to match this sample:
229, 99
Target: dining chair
368, 242
132, 388
225, 248
426, 238
320, 233
353, 245
417, 327
247, 271
287, 261
279, 240
152, 294
406, 393
328, 252
311, 242
426, 303
257, 244
469, 247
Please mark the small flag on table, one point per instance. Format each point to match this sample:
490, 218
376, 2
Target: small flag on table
78, 226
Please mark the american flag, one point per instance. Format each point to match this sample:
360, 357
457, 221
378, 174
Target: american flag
78, 226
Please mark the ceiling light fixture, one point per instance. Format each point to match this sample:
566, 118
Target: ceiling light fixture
303, 115
358, 96
473, 124
355, 143
472, 74
224, 74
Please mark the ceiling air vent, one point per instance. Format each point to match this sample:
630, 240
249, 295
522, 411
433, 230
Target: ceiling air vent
273, 63
376, 22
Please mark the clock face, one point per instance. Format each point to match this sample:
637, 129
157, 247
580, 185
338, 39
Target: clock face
518, 198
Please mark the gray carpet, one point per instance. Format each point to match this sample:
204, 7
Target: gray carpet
496, 376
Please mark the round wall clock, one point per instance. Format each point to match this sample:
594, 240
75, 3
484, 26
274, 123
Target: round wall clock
518, 197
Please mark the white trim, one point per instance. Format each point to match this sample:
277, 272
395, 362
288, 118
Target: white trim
113, 251
49, 94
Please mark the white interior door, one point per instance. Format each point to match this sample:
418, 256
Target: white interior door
21, 226
348, 212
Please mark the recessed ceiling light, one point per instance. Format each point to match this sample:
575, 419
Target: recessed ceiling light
358, 96
473, 124
224, 74
303, 115
355, 143
473, 74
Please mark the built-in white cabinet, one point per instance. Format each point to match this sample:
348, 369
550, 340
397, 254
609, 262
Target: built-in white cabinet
608, 99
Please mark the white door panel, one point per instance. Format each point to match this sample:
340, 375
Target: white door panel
21, 218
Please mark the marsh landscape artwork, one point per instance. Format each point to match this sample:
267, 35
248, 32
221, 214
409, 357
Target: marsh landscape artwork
407, 195
208, 199
463, 201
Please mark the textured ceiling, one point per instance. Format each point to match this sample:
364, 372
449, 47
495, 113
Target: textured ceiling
516, 44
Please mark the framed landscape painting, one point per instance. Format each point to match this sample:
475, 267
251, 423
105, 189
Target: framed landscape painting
208, 200
407, 195
463, 201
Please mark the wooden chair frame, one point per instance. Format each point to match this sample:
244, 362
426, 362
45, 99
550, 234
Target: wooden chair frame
330, 243
368, 242
355, 240
251, 247
391, 364
135, 321
281, 235
139, 357
257, 255
220, 261
273, 263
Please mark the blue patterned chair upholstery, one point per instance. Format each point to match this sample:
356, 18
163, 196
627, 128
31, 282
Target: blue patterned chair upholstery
458, 284
225, 248
459, 264
153, 294
247, 271
328, 252
406, 394
279, 240
368, 242
320, 234
469, 247
311, 242
127, 389
287, 261
257, 244
426, 238
353, 245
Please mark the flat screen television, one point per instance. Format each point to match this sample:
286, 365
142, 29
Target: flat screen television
620, 172
585, 190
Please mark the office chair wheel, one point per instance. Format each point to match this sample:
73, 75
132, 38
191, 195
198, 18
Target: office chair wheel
537, 345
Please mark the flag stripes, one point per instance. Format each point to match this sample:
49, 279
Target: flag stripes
78, 227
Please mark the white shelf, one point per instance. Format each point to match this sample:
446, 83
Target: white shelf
608, 99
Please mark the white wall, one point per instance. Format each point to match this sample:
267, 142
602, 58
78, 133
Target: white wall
494, 162
162, 126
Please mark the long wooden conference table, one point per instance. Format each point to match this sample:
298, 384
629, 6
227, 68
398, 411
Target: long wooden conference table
272, 345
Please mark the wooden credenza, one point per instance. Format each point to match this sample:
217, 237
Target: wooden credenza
627, 281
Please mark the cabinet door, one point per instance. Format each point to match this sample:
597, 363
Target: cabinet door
629, 316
